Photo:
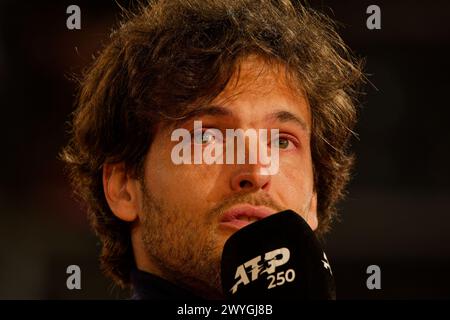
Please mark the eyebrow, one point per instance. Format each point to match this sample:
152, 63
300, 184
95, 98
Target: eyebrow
287, 116
211, 110
214, 110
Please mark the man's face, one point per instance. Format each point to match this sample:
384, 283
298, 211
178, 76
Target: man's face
181, 227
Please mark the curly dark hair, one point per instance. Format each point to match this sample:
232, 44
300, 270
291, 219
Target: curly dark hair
173, 53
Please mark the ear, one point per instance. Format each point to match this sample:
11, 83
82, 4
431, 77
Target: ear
122, 192
312, 213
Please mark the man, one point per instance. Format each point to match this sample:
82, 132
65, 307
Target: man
228, 65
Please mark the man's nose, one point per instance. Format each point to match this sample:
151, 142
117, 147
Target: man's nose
249, 178
251, 175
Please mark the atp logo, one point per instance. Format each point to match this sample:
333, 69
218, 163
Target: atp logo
326, 264
256, 267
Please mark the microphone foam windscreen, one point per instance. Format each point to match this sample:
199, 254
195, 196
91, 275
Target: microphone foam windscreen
278, 257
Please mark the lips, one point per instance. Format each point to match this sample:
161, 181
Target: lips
241, 215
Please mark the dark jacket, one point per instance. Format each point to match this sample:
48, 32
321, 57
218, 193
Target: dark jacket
147, 286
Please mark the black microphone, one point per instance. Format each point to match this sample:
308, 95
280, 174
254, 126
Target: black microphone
278, 257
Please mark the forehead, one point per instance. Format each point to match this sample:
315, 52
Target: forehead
258, 92
259, 87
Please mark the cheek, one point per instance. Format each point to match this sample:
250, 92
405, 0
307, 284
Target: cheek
187, 187
295, 179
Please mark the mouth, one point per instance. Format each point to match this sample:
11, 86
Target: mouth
242, 215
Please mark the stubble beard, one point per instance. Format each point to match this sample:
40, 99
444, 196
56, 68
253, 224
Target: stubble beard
183, 256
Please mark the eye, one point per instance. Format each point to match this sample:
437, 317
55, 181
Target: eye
283, 142
203, 137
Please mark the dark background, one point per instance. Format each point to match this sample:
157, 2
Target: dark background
397, 215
